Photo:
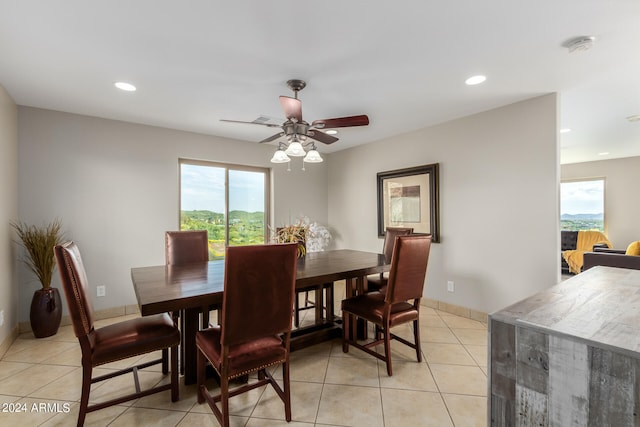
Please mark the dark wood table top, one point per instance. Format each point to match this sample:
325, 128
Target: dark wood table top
163, 288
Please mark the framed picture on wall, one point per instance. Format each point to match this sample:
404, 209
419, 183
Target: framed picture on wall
409, 198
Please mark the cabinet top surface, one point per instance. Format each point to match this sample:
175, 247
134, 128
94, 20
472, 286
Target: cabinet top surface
600, 306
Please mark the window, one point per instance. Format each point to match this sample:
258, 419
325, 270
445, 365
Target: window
582, 205
229, 201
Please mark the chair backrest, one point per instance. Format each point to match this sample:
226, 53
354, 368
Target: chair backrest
76, 287
408, 267
259, 283
390, 235
183, 247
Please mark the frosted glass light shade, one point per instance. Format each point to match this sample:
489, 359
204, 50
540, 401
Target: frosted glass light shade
295, 149
313, 157
280, 157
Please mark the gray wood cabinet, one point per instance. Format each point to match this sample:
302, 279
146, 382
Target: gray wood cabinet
570, 355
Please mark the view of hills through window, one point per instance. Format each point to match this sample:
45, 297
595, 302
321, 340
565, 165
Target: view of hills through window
207, 192
582, 205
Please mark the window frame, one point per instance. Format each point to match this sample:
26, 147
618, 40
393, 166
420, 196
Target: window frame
227, 167
604, 196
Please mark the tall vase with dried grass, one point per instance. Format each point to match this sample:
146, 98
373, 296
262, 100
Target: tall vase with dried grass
46, 305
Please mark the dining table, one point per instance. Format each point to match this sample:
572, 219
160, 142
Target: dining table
195, 288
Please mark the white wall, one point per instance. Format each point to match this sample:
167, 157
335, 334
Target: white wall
499, 184
8, 212
622, 203
114, 185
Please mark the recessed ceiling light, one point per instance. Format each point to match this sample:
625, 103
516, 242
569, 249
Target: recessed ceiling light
128, 87
634, 118
565, 130
604, 153
331, 132
475, 80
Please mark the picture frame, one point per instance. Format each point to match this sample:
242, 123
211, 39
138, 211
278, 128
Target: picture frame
410, 198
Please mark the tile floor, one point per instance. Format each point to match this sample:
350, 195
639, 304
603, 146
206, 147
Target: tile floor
42, 377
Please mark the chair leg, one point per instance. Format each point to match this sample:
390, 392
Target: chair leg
387, 349
86, 388
175, 386
287, 391
201, 375
346, 324
165, 361
416, 336
224, 400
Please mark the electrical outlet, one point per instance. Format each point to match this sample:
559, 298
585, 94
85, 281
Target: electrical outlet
1, 317
450, 287
101, 291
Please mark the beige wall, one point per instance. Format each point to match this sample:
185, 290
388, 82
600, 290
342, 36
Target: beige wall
8, 213
622, 203
114, 185
499, 188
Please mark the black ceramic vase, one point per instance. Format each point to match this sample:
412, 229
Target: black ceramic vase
46, 312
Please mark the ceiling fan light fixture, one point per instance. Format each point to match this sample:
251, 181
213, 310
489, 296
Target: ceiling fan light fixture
280, 157
331, 132
313, 156
295, 149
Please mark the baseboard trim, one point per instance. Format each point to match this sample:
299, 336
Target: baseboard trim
106, 313
456, 309
4, 346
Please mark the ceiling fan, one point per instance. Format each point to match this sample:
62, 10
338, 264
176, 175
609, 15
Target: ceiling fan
295, 129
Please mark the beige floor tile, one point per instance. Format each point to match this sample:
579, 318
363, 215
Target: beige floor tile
431, 321
443, 335
70, 357
209, 420
40, 352
8, 369
31, 379
143, 417
454, 354
328, 386
414, 408
479, 353
27, 412
305, 399
362, 372
100, 418
471, 336
408, 376
306, 368
350, 406
65, 388
456, 322
459, 379
467, 411
241, 405
120, 386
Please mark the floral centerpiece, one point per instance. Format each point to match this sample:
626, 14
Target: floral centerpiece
311, 236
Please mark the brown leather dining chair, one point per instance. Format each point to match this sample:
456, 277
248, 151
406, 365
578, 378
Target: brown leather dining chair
255, 331
113, 342
376, 282
184, 247
398, 305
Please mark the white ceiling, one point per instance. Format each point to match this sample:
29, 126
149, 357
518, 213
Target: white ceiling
403, 63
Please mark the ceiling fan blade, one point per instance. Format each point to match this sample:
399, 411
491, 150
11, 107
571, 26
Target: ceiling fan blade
272, 137
322, 137
341, 122
292, 107
270, 125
